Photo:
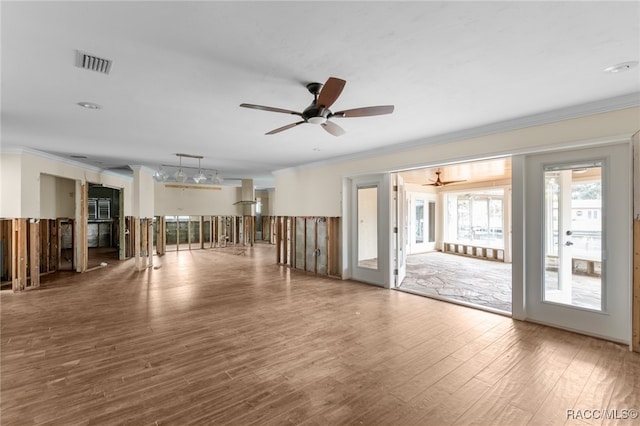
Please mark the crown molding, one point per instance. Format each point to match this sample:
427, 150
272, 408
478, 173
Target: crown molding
582, 110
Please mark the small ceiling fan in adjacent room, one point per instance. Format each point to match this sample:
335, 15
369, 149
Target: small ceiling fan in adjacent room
439, 182
319, 113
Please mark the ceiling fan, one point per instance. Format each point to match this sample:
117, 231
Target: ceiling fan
319, 113
439, 182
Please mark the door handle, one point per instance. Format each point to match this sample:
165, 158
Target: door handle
568, 243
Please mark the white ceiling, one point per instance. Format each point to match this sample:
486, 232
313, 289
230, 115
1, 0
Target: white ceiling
181, 69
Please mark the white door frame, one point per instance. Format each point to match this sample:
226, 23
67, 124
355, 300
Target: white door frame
401, 229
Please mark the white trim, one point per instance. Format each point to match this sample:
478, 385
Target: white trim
590, 108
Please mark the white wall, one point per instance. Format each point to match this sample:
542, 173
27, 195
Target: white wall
143, 192
21, 173
10, 186
37, 185
196, 201
57, 197
295, 198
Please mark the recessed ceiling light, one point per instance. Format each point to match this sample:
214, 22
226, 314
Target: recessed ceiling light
624, 66
89, 105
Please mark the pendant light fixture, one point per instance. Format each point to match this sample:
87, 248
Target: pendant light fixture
218, 179
200, 177
180, 175
160, 175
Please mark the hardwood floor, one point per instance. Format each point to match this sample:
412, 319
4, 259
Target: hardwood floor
215, 337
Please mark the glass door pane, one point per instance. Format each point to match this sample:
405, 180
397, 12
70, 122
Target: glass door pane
573, 235
419, 215
367, 227
432, 221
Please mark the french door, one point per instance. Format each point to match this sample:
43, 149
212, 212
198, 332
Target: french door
423, 223
370, 229
577, 230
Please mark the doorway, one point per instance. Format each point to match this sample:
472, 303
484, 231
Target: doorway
103, 225
459, 233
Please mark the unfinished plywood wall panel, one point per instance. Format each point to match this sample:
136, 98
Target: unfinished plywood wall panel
273, 234
308, 243
149, 242
161, 235
45, 245
300, 243
279, 239
248, 230
83, 249
143, 251
235, 231
291, 240
220, 232
321, 246
34, 254
333, 241
137, 242
5, 250
285, 227
65, 240
311, 251
19, 251
201, 233
54, 242
129, 236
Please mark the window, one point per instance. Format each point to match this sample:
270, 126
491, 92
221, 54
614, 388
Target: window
99, 208
476, 218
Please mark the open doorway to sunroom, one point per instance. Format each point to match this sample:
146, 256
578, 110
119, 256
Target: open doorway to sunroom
458, 228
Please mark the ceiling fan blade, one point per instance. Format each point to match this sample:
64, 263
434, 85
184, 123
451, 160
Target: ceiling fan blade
365, 112
333, 128
330, 92
442, 183
272, 109
288, 126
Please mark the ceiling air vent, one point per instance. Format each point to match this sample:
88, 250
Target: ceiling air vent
92, 62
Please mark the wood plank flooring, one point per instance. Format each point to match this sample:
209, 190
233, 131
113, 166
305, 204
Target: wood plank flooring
212, 337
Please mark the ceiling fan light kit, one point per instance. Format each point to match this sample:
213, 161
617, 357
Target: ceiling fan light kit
324, 95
